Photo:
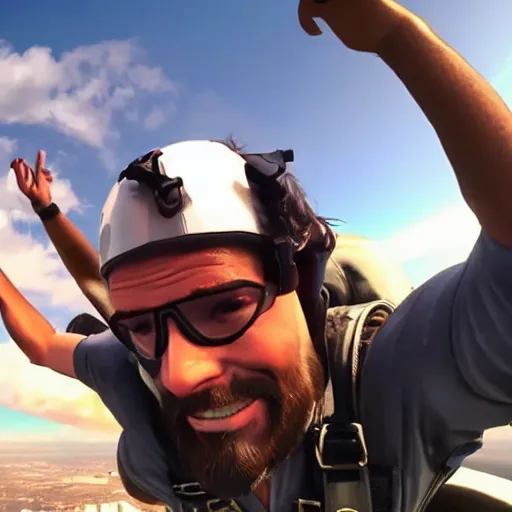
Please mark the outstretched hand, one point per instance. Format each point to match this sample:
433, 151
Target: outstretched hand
359, 24
35, 185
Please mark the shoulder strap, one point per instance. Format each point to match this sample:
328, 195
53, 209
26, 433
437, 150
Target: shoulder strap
349, 333
340, 447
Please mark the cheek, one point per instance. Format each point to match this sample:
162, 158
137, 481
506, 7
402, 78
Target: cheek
278, 339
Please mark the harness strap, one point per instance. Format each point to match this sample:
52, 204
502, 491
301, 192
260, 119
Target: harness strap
381, 480
311, 495
192, 495
340, 448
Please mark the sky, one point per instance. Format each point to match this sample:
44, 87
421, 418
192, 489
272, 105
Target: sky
96, 85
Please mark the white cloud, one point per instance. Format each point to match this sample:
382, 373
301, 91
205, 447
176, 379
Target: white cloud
435, 243
79, 93
154, 119
47, 394
36, 269
7, 147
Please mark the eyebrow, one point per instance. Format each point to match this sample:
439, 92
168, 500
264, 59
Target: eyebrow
195, 293
206, 290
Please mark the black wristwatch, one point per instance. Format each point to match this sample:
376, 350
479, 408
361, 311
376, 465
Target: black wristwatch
48, 212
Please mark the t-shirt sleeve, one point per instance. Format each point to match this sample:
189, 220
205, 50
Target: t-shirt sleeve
439, 373
97, 360
104, 364
482, 322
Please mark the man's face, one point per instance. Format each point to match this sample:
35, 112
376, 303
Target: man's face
235, 410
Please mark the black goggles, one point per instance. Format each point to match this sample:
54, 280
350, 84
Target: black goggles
209, 318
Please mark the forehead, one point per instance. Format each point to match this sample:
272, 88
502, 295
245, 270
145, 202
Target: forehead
168, 277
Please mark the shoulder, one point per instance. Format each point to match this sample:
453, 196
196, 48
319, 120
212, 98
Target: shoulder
439, 368
105, 365
486, 274
100, 358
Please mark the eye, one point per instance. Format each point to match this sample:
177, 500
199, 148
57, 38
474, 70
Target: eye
139, 326
223, 313
142, 329
235, 308
232, 305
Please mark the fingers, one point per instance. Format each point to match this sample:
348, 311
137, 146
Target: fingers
40, 162
24, 174
26, 177
307, 12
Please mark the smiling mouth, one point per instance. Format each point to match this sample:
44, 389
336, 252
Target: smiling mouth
223, 412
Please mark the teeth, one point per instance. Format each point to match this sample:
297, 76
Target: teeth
223, 412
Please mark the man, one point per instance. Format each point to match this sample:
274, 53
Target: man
214, 263
356, 272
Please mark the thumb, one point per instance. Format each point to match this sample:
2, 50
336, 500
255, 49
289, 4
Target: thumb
307, 13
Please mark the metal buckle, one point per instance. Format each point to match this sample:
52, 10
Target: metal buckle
304, 505
357, 431
217, 505
189, 489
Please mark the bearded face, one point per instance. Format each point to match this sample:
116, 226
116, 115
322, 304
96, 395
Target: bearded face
238, 376
277, 409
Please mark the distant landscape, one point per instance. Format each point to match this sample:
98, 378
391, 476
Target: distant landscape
60, 477
65, 476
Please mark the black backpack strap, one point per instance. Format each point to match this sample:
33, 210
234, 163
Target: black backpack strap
340, 447
86, 324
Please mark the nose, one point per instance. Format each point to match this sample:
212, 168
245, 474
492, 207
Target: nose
188, 368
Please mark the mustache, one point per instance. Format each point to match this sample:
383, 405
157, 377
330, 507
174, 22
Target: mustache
221, 396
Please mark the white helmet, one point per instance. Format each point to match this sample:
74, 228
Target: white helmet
201, 193
190, 192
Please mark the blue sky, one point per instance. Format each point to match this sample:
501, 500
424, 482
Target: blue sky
364, 151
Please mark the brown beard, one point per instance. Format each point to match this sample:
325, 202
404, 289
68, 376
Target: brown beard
226, 466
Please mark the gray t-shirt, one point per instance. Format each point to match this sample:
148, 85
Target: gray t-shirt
437, 375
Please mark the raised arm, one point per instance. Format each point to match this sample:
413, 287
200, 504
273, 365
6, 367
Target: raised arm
473, 123
78, 255
449, 345
33, 333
